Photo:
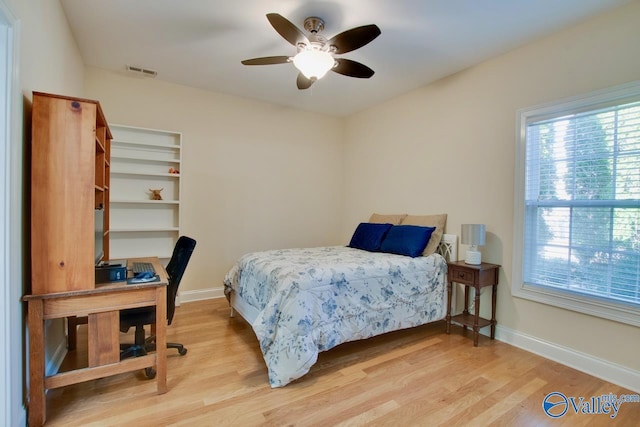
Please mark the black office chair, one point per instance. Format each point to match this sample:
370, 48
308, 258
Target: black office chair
139, 317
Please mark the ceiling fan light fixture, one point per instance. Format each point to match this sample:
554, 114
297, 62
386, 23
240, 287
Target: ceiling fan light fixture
315, 52
313, 63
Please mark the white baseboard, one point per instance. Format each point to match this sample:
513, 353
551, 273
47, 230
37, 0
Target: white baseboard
201, 294
603, 369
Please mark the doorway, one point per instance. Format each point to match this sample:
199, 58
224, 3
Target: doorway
12, 408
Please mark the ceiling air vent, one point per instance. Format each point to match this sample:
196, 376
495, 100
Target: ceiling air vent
142, 71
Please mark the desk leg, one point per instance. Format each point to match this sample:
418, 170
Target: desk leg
493, 311
161, 339
466, 304
72, 329
37, 398
449, 289
476, 320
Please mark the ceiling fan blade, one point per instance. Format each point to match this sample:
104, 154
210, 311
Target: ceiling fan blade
286, 29
351, 68
267, 60
303, 82
354, 38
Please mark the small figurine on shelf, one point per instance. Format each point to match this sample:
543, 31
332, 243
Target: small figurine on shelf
174, 171
155, 194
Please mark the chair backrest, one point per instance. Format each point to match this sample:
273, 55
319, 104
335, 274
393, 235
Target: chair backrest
175, 269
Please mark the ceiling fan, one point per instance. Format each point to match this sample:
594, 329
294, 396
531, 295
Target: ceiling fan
315, 53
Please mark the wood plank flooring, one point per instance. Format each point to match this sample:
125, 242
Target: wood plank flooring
416, 377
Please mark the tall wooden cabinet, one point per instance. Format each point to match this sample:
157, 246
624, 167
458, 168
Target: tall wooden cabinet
70, 153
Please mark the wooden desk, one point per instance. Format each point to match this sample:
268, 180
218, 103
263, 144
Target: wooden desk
101, 305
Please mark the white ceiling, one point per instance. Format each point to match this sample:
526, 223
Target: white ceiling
200, 43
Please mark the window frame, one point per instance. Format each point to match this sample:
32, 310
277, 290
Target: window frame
566, 299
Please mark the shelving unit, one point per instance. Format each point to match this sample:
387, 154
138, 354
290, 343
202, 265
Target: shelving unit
140, 161
103, 178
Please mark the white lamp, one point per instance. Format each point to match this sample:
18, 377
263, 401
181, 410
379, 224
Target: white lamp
313, 63
474, 235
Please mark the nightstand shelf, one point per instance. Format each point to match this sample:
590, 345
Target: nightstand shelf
477, 277
469, 319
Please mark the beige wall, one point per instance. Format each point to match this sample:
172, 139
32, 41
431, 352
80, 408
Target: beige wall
49, 62
450, 147
254, 176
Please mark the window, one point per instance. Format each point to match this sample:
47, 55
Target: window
577, 236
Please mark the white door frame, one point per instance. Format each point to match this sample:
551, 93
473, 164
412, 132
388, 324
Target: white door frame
12, 377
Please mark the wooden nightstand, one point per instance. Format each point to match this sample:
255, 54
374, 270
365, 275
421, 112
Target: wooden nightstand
476, 276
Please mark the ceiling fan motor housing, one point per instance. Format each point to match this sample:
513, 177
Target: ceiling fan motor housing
313, 24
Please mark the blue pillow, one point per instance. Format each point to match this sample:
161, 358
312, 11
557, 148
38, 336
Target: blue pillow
368, 236
407, 240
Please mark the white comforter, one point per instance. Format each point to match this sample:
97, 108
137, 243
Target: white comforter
310, 300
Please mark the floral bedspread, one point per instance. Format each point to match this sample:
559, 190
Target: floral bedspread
310, 300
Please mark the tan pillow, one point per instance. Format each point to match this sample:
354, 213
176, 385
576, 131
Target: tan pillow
394, 219
438, 221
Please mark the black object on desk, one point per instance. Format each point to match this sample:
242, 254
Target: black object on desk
110, 273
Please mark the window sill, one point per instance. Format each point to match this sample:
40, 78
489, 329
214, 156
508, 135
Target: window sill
578, 303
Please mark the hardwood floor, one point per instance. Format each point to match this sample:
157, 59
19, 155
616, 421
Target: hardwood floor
416, 377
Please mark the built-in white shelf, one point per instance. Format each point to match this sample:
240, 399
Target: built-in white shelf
151, 202
118, 172
134, 230
142, 160
154, 145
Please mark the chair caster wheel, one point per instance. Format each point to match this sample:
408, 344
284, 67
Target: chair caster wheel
182, 351
150, 373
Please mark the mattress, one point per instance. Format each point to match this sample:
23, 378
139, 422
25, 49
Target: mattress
300, 302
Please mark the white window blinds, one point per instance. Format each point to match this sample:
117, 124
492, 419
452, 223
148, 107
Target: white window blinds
582, 202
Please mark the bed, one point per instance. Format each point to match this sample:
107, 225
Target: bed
302, 301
